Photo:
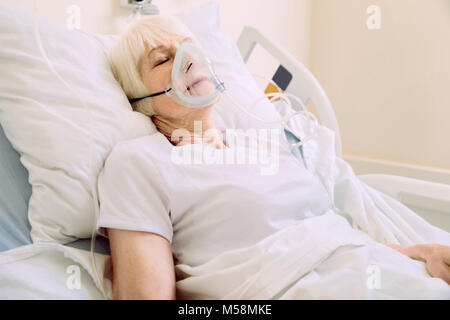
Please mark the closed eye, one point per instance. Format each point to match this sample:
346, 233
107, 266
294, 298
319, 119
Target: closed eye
161, 62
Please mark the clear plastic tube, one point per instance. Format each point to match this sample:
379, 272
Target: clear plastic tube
272, 95
286, 118
93, 180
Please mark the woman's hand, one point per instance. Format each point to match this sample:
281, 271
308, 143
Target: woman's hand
436, 257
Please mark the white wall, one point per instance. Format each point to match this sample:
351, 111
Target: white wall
390, 87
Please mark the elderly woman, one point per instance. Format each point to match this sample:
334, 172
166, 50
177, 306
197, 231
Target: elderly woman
157, 213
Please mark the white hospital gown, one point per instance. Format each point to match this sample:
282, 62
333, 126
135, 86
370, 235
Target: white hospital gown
203, 209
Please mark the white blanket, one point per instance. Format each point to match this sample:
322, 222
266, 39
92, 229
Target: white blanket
319, 258
335, 256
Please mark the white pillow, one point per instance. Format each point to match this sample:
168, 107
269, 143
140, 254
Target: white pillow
55, 152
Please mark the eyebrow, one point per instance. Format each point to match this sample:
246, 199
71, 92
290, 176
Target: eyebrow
156, 50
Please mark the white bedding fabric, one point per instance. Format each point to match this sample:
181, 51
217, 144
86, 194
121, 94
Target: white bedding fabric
320, 257
50, 271
55, 146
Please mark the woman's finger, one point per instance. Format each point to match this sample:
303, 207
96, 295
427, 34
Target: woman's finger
439, 269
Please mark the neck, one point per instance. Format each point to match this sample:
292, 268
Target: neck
199, 123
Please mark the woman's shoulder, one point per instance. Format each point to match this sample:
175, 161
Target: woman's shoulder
154, 147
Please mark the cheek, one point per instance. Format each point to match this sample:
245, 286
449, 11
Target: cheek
157, 80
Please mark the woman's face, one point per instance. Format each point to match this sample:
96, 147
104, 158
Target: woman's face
156, 70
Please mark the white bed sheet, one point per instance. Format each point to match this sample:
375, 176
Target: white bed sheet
50, 271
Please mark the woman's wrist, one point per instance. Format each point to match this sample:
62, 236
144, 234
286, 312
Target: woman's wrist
418, 251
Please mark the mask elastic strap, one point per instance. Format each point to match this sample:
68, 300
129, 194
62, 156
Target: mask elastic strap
150, 96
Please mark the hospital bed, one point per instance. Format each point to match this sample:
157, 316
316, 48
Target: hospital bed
428, 199
431, 200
